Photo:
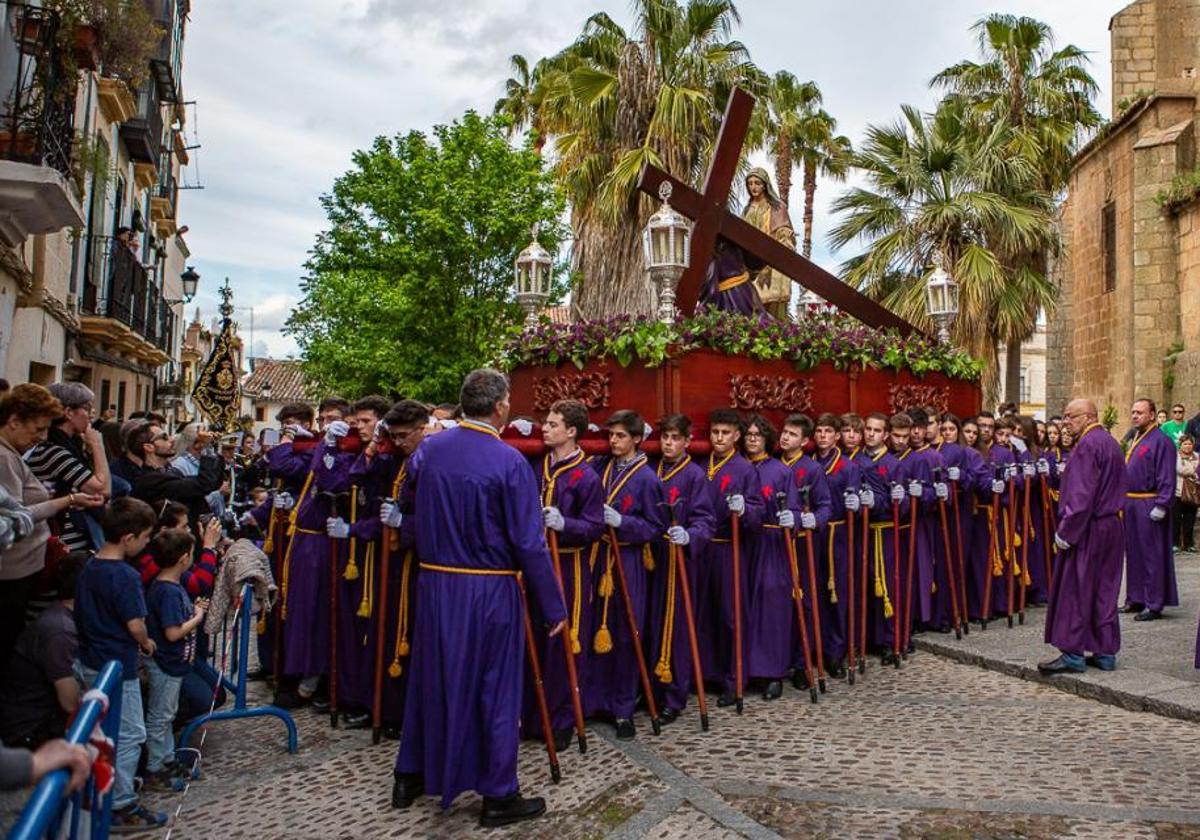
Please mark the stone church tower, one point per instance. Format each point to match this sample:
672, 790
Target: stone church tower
1128, 322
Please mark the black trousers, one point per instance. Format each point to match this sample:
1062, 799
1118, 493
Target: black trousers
1185, 525
14, 595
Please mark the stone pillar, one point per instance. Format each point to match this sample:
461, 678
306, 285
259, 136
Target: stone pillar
1133, 49
1060, 332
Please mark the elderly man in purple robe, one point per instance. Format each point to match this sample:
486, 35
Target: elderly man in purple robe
480, 539
634, 518
690, 522
733, 490
1150, 482
727, 284
1081, 616
573, 509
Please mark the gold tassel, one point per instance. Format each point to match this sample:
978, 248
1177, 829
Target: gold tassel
603, 641
647, 557
402, 646
368, 594
394, 670
269, 541
576, 604
606, 584
880, 575
832, 585
663, 669
351, 572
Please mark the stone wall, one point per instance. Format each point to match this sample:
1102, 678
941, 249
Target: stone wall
1187, 364
1133, 49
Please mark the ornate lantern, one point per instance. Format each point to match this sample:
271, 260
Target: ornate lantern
533, 279
941, 292
667, 243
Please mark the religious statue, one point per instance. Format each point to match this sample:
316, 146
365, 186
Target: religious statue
727, 283
768, 213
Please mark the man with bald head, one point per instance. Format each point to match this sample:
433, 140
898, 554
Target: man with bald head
1149, 492
1081, 617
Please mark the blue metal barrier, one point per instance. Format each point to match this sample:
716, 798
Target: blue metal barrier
44, 812
238, 687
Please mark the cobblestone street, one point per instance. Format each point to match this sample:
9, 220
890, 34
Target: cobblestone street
937, 749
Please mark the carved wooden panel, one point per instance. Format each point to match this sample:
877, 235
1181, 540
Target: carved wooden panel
749, 392
904, 397
591, 389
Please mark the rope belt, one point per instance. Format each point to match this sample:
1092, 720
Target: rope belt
576, 593
1141, 495
831, 584
402, 647
467, 570
602, 641
662, 669
733, 282
881, 569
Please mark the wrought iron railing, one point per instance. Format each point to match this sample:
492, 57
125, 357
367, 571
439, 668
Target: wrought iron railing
37, 98
116, 285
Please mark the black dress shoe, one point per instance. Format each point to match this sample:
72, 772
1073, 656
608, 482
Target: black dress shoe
1148, 615
799, 680
773, 691
727, 698
668, 715
836, 669
257, 674
625, 730
1134, 608
406, 788
356, 720
511, 809
289, 700
320, 703
888, 657
1059, 666
392, 733
562, 738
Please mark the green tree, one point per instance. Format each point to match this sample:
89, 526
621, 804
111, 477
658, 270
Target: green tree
937, 190
614, 100
410, 286
521, 103
1045, 96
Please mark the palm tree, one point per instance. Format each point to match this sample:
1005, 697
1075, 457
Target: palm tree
1045, 96
521, 102
614, 100
937, 190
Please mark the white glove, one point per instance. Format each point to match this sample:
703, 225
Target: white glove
867, 497
592, 427
611, 518
1043, 466
737, 504
953, 473
897, 493
787, 519
1029, 469
337, 527
390, 515
1157, 514
997, 486
297, 431
808, 521
337, 429
678, 535
941, 490
647, 429
248, 519
1062, 544
914, 489
552, 518
523, 426
1018, 444
1010, 471
851, 501
1062, 467
283, 501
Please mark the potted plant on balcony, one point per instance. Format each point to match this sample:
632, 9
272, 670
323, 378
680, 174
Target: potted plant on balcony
114, 36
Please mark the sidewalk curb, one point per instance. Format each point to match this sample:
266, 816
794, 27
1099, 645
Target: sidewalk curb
1080, 688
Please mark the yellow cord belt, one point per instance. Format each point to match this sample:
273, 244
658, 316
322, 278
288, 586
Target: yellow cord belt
402, 646
663, 669
832, 584
291, 532
881, 590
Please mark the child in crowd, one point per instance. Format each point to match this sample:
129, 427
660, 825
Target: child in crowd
172, 624
110, 613
198, 579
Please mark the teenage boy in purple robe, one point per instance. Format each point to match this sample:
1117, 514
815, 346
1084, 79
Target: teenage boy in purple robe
844, 478
769, 624
690, 522
573, 509
1150, 480
925, 487
480, 539
1081, 617
1004, 455
881, 480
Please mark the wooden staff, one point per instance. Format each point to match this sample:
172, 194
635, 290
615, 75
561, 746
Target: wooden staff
851, 613
333, 620
862, 594
962, 561
568, 654
651, 706
539, 690
950, 571
896, 592
993, 550
910, 574
1010, 544
380, 632
675, 555
1026, 534
735, 521
813, 607
797, 595
1047, 529
277, 621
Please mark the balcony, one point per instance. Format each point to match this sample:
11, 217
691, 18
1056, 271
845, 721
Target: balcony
37, 129
122, 306
162, 208
143, 133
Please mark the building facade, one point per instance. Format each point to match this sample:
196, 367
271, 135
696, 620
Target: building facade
91, 252
270, 385
1128, 323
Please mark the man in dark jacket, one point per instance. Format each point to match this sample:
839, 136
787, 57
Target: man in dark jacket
149, 449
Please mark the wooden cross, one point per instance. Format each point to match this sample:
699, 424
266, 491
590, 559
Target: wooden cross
709, 210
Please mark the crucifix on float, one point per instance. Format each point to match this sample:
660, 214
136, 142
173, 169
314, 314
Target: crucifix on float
709, 211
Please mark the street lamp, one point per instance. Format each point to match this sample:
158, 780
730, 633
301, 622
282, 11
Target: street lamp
533, 278
667, 242
265, 392
941, 299
191, 280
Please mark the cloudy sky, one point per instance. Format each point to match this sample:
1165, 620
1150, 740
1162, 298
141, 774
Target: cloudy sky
283, 98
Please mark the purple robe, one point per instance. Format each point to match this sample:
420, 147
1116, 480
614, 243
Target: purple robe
572, 486
479, 522
635, 492
727, 283
841, 474
1004, 456
1150, 483
918, 465
881, 471
966, 461
808, 475
974, 510
1082, 614
669, 649
770, 621
306, 589
733, 475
